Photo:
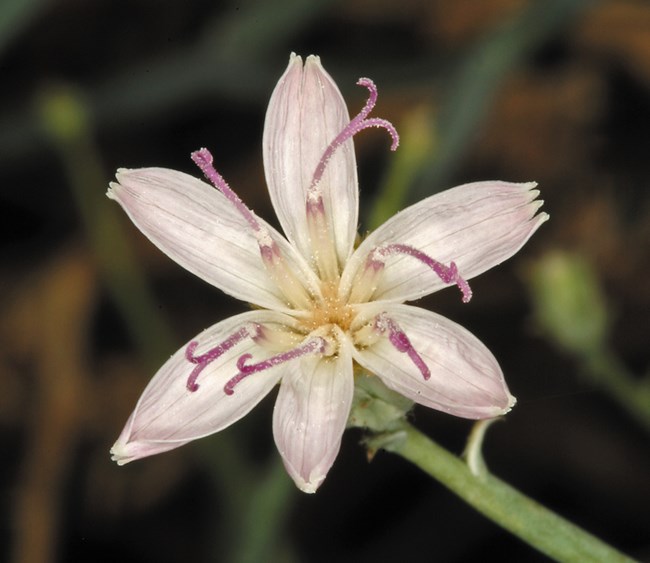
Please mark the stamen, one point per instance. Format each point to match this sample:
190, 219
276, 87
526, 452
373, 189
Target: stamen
357, 124
366, 280
283, 276
448, 274
401, 342
202, 361
314, 346
321, 236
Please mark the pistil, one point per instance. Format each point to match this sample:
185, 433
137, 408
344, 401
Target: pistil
357, 124
366, 281
316, 345
401, 342
203, 159
290, 286
202, 361
317, 216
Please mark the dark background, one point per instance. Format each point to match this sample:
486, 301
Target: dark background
555, 91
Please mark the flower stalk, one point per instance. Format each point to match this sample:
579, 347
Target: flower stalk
536, 525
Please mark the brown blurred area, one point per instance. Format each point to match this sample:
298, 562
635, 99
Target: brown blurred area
573, 115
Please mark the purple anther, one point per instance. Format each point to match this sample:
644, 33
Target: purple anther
315, 204
374, 265
313, 346
357, 124
204, 359
398, 338
270, 252
448, 274
203, 159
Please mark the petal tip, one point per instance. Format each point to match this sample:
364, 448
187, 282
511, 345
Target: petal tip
309, 486
512, 401
119, 454
111, 192
313, 59
498, 410
121, 172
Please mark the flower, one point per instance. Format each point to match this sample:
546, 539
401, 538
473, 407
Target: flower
321, 305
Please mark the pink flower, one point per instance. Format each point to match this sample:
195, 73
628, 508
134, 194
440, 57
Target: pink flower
322, 305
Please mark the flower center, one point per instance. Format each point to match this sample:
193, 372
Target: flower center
328, 310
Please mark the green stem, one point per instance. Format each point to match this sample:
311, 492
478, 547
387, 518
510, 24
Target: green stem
256, 501
266, 514
536, 525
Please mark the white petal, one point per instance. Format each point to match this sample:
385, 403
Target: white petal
196, 226
310, 415
466, 379
168, 415
305, 114
476, 225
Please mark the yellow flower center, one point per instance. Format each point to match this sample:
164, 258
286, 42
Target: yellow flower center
330, 310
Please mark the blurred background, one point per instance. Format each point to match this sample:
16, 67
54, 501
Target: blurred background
555, 91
